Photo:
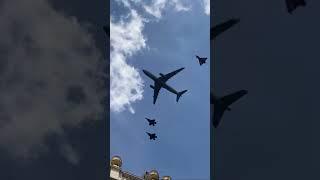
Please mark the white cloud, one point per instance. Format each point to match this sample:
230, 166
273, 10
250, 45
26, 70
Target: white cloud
179, 6
126, 39
206, 6
156, 7
49, 67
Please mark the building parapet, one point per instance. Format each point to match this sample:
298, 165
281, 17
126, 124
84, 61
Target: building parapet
116, 172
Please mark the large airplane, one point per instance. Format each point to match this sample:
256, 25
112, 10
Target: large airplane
220, 28
152, 122
293, 4
152, 136
160, 82
222, 104
202, 60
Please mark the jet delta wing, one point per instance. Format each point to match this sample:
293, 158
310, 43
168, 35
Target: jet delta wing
201, 60
222, 104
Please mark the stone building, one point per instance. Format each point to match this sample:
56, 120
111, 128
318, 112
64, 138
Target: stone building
116, 172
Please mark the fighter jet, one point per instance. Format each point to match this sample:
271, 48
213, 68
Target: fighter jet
202, 60
152, 122
160, 82
152, 136
106, 30
294, 4
220, 28
223, 103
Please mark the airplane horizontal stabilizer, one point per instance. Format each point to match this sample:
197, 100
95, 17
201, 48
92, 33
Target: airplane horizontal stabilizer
180, 94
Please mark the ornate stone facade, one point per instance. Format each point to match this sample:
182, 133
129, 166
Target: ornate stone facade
116, 173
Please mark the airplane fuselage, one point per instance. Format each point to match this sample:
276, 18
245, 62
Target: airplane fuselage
160, 82
152, 136
153, 123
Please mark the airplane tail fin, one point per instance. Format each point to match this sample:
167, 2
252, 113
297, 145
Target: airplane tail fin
180, 94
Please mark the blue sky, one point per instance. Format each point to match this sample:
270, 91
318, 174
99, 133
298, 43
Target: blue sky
160, 37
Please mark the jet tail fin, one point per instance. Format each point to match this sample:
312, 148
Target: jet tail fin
180, 94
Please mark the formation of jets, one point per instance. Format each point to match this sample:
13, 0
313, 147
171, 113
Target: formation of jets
152, 122
160, 82
221, 104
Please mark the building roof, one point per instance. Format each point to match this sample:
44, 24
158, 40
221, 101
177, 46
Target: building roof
119, 174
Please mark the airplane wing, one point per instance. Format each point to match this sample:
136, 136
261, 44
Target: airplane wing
220, 28
156, 92
217, 115
229, 99
203, 60
219, 109
169, 75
